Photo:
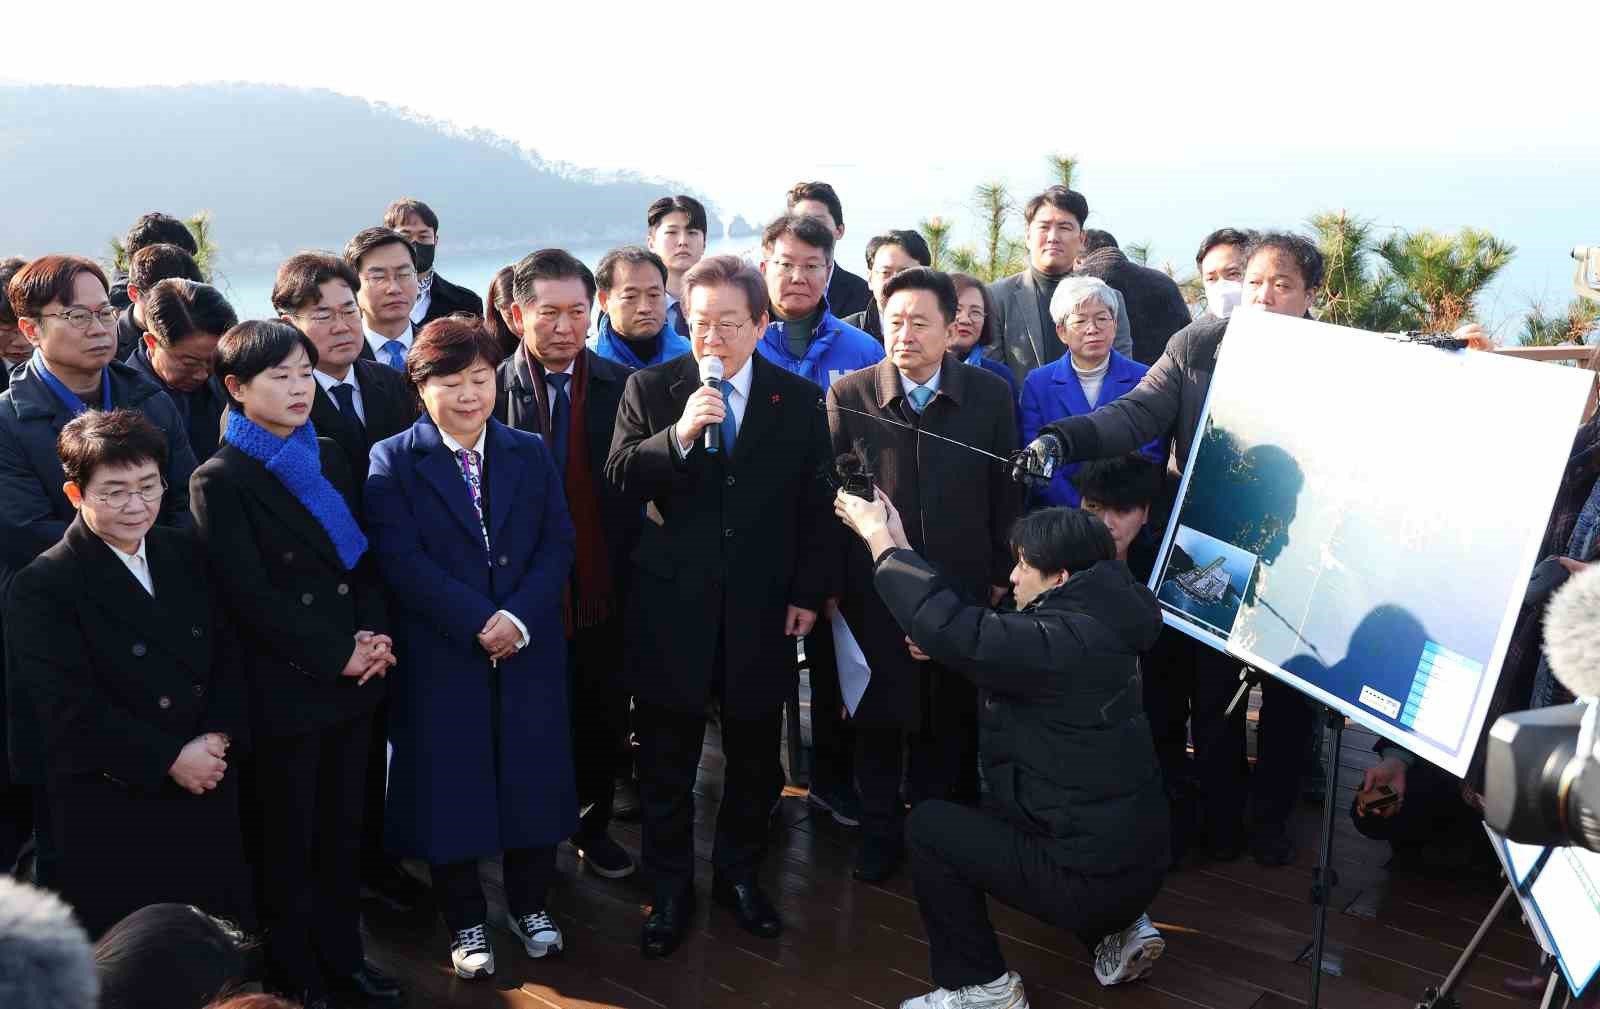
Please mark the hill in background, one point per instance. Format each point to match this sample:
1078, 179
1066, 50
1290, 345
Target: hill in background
283, 169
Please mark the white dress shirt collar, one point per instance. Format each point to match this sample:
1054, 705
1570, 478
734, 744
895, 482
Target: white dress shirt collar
932, 384
455, 446
138, 566
376, 340
329, 383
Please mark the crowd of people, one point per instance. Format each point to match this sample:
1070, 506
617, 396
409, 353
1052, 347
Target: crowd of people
402, 579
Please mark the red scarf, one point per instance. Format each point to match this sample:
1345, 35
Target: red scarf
593, 599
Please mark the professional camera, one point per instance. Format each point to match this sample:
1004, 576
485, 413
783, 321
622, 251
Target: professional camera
1542, 781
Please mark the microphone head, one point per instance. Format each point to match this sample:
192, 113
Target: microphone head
1572, 633
710, 369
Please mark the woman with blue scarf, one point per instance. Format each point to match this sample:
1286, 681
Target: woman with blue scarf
274, 510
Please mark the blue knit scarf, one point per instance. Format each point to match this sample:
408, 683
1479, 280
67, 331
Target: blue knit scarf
297, 463
614, 348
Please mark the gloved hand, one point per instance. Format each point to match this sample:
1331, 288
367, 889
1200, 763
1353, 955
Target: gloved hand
1036, 463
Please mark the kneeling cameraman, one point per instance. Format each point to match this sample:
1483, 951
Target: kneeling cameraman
1074, 828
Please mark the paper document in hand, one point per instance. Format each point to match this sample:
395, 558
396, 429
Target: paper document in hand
854, 674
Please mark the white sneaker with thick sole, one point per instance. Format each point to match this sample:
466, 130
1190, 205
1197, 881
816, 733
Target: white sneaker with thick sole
538, 933
1128, 955
470, 953
1004, 993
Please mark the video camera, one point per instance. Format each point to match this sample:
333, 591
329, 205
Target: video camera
1542, 782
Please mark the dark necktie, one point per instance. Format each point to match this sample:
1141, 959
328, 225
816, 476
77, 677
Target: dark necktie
344, 394
560, 419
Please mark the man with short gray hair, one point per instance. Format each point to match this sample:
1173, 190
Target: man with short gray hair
45, 959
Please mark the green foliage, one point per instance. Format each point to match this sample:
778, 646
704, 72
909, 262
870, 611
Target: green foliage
1578, 324
1064, 167
936, 232
1139, 252
1439, 277
199, 225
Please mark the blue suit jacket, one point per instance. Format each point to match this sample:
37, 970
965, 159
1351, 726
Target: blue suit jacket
482, 755
1052, 392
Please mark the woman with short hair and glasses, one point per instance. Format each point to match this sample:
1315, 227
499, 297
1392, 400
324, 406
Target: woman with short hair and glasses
119, 644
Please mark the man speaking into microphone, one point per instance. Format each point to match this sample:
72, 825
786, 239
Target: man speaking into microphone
726, 452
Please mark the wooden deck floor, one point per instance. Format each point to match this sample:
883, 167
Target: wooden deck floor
1238, 935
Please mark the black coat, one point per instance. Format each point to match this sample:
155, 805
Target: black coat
34, 510
738, 541
129, 334
957, 508
388, 403
847, 293
296, 607
119, 682
868, 321
203, 407
447, 298
1155, 306
1067, 752
517, 406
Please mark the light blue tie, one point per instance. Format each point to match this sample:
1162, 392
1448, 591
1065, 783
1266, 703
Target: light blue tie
919, 397
730, 423
395, 351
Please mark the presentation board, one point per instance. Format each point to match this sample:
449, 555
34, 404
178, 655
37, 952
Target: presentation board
1359, 516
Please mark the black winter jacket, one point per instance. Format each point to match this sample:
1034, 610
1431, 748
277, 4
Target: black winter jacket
1067, 751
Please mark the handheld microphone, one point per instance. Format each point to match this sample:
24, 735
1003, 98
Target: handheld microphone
711, 378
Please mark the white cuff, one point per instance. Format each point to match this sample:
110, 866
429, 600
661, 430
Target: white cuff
677, 446
522, 628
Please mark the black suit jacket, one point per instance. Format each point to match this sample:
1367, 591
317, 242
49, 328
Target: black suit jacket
386, 400
447, 298
957, 508
296, 607
1156, 309
517, 406
847, 293
738, 539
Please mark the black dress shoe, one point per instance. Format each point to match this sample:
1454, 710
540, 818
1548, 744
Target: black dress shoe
367, 986
755, 912
667, 924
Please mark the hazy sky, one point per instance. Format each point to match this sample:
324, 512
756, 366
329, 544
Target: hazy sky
1186, 116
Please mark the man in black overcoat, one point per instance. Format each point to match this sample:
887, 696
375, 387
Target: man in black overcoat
958, 509
731, 566
554, 387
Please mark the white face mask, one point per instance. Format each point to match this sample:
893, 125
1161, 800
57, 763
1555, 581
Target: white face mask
1223, 296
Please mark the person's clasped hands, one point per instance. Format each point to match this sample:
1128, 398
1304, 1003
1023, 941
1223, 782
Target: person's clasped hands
201, 764
500, 638
373, 655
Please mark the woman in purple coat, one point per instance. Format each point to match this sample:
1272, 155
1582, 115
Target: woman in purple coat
470, 526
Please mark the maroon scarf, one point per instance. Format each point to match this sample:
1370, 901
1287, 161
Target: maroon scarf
593, 599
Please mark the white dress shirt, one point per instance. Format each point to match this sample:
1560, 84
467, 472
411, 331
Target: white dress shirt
932, 384
137, 566
376, 340
454, 447
738, 399
328, 382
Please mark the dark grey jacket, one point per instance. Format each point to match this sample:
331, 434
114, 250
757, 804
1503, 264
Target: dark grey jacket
1165, 404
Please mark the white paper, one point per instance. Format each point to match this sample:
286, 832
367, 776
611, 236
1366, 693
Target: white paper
854, 674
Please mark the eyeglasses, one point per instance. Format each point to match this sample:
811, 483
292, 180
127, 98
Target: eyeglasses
80, 318
120, 499
1091, 322
970, 314
809, 270
323, 316
725, 330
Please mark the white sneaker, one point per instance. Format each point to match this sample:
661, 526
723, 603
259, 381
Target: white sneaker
470, 953
1128, 955
1004, 993
538, 933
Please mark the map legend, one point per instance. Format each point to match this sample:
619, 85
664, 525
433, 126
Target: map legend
1441, 696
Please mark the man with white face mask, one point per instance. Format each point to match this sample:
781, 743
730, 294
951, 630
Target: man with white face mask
1220, 263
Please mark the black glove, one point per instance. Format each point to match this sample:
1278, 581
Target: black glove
1036, 464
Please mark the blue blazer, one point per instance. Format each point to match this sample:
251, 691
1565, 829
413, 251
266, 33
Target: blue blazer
482, 755
1051, 392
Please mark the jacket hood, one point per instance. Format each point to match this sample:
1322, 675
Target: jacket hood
1109, 593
